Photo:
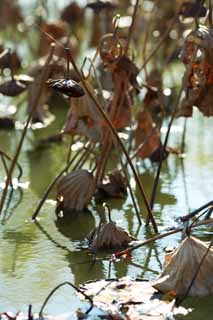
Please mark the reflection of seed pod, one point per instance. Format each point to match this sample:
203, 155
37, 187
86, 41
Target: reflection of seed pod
76, 190
68, 87
110, 48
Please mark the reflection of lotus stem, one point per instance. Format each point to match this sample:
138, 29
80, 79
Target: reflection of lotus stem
40, 87
59, 286
5, 155
52, 184
119, 141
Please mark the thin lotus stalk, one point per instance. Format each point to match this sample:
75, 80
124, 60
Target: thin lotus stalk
119, 141
183, 140
131, 28
155, 186
195, 212
15, 159
210, 14
69, 153
107, 143
83, 158
130, 190
159, 44
52, 184
146, 36
59, 286
160, 236
181, 299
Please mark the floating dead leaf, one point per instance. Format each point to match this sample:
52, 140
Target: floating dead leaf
75, 190
114, 186
68, 87
131, 299
180, 270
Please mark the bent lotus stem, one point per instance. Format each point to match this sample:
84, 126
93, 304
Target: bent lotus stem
119, 141
59, 286
157, 237
15, 159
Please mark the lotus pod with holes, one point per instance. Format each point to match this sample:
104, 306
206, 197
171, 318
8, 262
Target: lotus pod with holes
109, 236
75, 190
199, 86
185, 262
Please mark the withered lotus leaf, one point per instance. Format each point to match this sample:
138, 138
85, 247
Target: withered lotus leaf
180, 270
75, 190
66, 86
110, 236
199, 87
114, 187
110, 48
83, 119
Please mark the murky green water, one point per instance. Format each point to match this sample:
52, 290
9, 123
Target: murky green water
35, 257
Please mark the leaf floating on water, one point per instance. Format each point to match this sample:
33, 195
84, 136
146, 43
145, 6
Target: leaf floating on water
131, 299
68, 87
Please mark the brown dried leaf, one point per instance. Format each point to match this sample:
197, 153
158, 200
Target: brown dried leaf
75, 190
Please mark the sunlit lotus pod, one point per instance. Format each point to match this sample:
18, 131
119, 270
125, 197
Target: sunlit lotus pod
68, 87
110, 48
76, 190
109, 236
182, 266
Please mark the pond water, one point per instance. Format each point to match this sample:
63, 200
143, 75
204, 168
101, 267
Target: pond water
36, 257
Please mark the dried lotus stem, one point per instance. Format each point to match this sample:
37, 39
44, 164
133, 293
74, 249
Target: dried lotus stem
59, 286
15, 159
119, 141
